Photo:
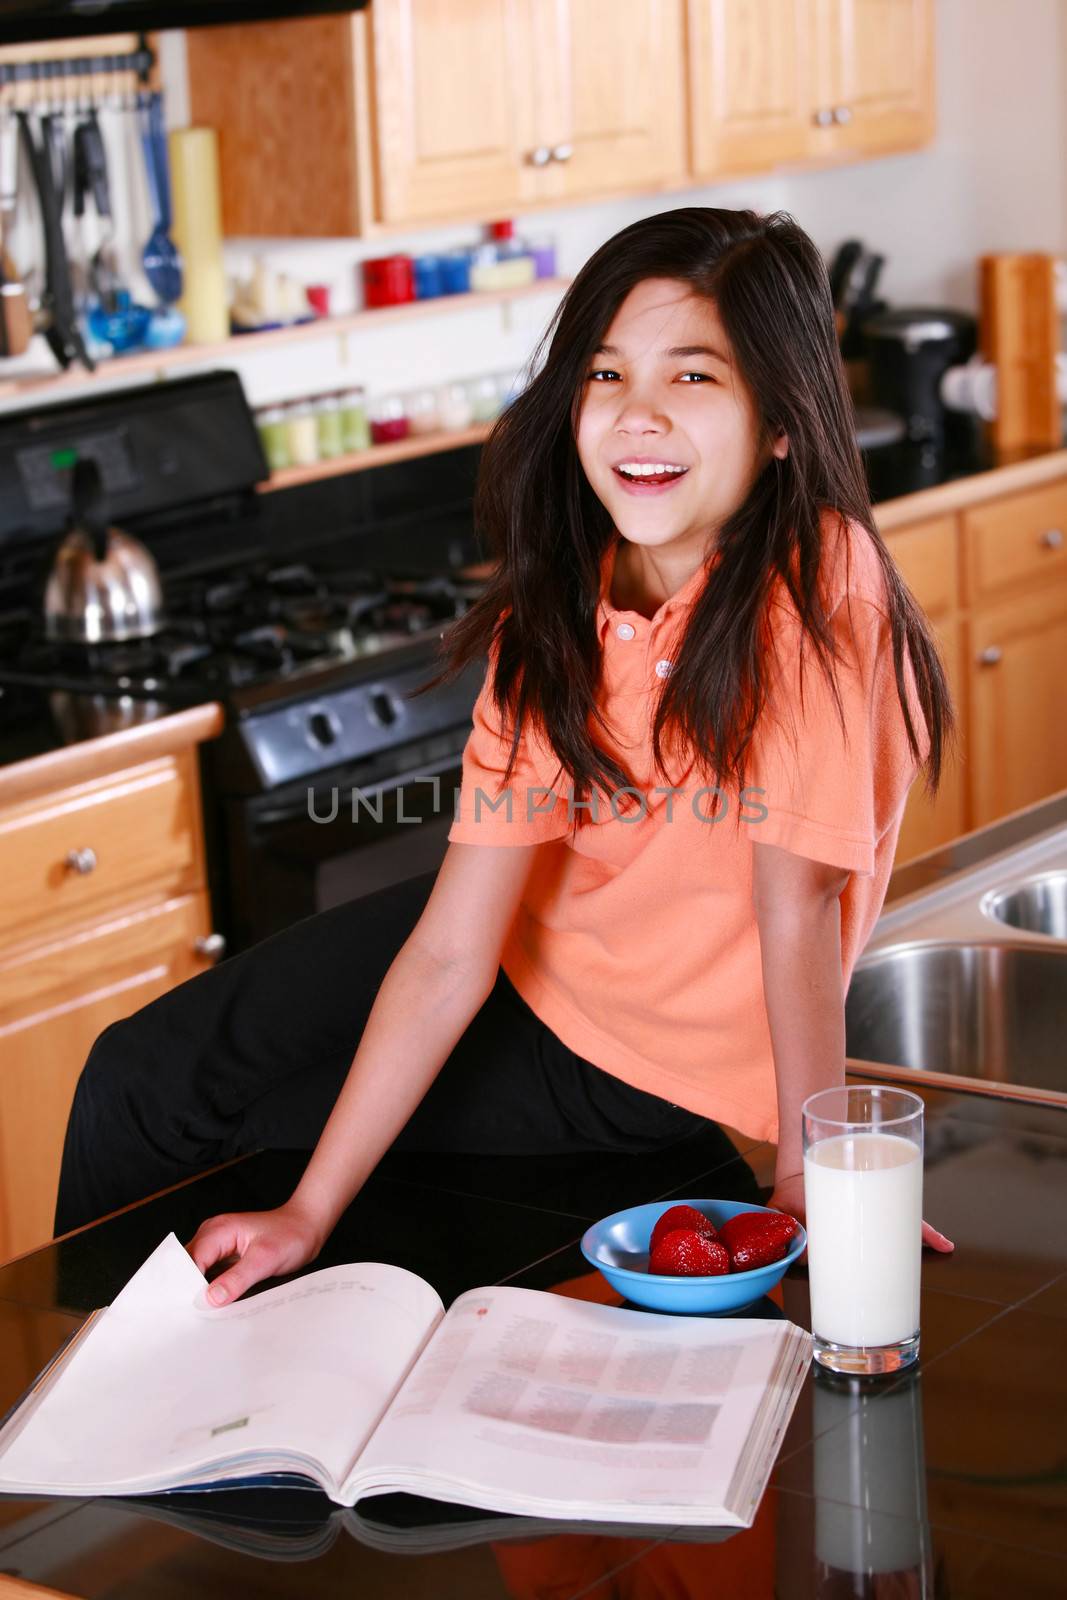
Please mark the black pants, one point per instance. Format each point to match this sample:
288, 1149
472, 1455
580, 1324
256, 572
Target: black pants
252, 1055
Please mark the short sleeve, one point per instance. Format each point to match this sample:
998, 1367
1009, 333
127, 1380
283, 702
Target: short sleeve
832, 779
532, 809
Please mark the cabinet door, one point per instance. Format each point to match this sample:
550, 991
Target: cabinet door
609, 95
750, 73
1017, 670
55, 1003
874, 81
930, 822
451, 88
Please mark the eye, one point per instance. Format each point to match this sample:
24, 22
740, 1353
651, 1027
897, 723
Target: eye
705, 377
602, 372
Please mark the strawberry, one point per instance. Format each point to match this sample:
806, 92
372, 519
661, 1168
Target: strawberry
756, 1238
687, 1252
680, 1217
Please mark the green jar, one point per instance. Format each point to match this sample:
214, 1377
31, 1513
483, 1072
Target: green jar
328, 426
274, 436
355, 428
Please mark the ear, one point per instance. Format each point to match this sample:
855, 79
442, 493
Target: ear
780, 446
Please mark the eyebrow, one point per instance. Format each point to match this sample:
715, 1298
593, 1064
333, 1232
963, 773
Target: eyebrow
675, 351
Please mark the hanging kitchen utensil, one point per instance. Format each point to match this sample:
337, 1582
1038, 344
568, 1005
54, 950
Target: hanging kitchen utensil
58, 320
113, 318
16, 323
161, 259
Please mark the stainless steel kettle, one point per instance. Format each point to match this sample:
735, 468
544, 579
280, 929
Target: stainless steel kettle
104, 585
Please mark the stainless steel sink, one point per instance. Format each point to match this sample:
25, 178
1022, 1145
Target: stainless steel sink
993, 1012
964, 981
1038, 905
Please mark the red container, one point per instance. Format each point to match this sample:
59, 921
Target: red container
388, 281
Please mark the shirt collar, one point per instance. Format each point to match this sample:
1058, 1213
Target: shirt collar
682, 601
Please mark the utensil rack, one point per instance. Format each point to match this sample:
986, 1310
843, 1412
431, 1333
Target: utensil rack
43, 69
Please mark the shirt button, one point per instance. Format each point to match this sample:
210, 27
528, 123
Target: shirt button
662, 668
625, 630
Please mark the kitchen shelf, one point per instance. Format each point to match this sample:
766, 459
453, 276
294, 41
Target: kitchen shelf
158, 362
376, 455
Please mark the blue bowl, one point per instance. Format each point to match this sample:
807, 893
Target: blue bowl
618, 1247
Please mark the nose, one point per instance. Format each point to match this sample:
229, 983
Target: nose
639, 413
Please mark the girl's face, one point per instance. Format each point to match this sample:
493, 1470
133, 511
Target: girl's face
663, 391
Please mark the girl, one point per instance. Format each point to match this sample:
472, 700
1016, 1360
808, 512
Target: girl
707, 696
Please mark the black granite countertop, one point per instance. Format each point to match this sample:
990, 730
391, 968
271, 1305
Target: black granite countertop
947, 1481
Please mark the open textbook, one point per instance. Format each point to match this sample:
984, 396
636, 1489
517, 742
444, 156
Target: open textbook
358, 1380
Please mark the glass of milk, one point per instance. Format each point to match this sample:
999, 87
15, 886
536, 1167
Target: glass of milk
863, 1180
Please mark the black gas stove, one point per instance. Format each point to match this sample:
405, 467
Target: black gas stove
312, 617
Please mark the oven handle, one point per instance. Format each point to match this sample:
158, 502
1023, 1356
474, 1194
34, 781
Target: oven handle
294, 811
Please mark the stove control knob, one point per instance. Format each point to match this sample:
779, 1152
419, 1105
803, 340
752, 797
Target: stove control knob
382, 709
323, 729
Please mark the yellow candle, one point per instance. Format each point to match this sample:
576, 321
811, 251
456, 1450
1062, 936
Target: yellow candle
197, 230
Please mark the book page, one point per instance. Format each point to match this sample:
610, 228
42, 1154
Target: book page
165, 1384
548, 1400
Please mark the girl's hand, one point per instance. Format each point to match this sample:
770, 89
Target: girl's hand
788, 1196
267, 1244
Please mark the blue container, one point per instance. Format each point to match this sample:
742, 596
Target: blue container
455, 272
429, 283
618, 1247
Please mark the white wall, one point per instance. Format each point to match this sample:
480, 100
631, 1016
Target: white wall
993, 179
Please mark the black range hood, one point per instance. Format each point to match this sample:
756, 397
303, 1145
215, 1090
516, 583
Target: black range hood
23, 20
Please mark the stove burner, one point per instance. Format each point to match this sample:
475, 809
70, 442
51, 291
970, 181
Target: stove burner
250, 627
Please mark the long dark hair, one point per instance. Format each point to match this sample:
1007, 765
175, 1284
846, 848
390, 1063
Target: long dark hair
540, 517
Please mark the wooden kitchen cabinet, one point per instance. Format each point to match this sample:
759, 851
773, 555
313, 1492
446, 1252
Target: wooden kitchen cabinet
428, 110
927, 554
807, 81
105, 908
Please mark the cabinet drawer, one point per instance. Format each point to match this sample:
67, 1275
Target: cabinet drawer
927, 555
1019, 540
71, 854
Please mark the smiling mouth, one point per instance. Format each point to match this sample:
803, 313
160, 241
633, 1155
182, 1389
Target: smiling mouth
649, 475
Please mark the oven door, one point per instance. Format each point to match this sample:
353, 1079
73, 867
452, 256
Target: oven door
335, 840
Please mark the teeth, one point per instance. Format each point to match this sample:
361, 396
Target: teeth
648, 469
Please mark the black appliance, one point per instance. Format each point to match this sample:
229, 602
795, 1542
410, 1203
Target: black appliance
67, 19
310, 614
910, 349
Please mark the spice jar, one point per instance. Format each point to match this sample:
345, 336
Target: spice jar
423, 411
485, 399
388, 420
302, 433
270, 421
328, 427
454, 407
388, 280
355, 429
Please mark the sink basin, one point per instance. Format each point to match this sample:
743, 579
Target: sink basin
987, 1011
1039, 905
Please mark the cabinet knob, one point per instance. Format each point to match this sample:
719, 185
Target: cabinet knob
210, 945
541, 156
562, 152
990, 655
81, 861
823, 118
842, 114
1052, 539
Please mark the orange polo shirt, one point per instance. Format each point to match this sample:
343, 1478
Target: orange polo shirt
636, 940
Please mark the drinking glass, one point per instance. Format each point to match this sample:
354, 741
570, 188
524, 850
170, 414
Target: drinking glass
863, 1174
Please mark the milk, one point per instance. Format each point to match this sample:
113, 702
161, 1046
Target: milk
863, 1201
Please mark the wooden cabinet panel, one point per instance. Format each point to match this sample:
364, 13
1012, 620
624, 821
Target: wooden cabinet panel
927, 555
1018, 753
138, 829
928, 822
1019, 540
609, 95
875, 89
750, 84
55, 1003
452, 107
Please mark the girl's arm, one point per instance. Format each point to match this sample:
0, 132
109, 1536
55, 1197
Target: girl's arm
437, 982
798, 912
